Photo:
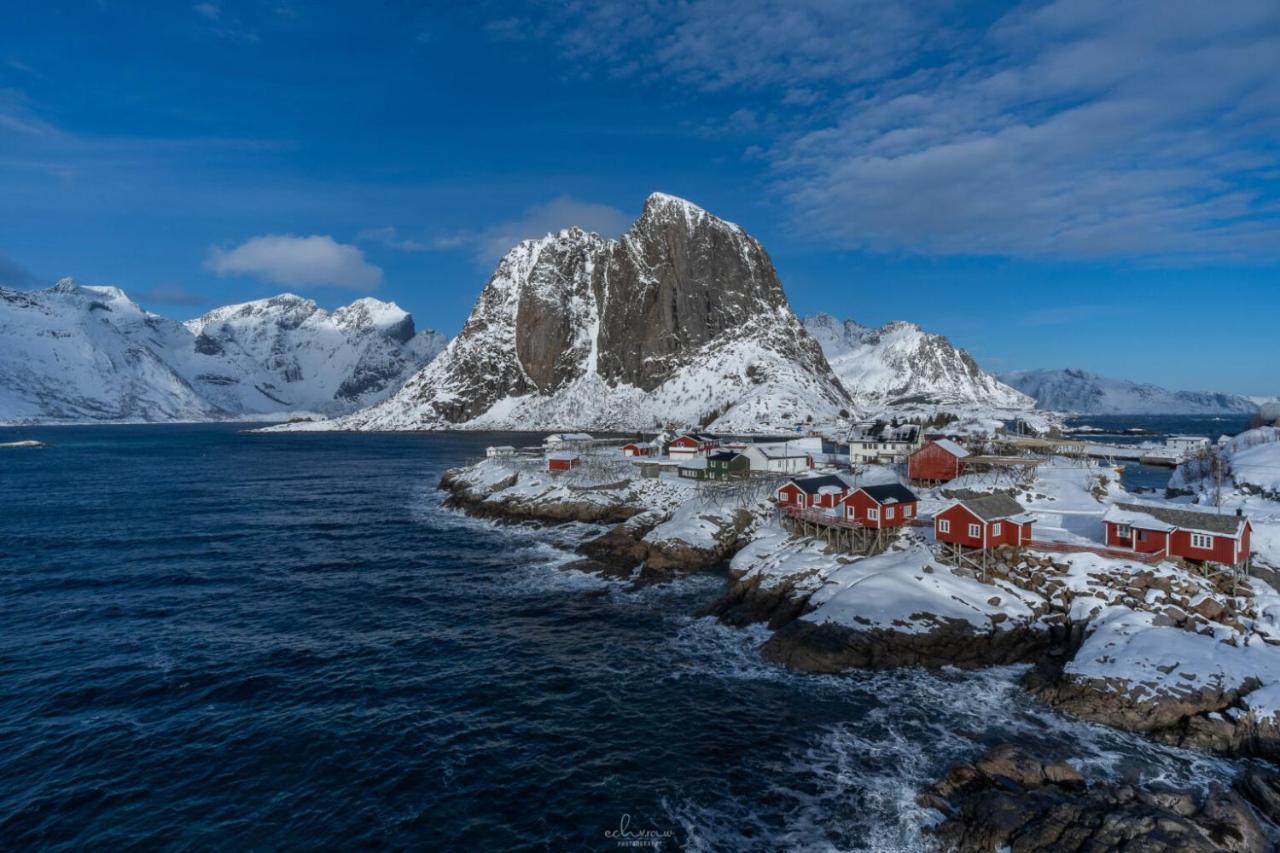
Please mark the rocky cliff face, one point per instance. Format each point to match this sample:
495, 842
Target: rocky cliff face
681, 318
1090, 394
84, 353
901, 363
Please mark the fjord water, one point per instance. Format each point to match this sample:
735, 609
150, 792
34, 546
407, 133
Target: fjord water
211, 639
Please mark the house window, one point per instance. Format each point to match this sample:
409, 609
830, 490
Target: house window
908, 510
1124, 531
888, 513
975, 531
785, 498
995, 529
1142, 536
873, 514
944, 526
1201, 540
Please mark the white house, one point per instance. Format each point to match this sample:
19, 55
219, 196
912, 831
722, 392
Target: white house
562, 440
781, 458
501, 451
1187, 445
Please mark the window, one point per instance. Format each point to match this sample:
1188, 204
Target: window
975, 532
785, 498
888, 512
995, 529
1142, 536
1124, 531
944, 526
907, 510
1201, 540
873, 514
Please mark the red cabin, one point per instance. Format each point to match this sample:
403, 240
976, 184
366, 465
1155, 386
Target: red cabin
644, 448
562, 461
937, 462
888, 505
690, 444
983, 522
1205, 537
824, 492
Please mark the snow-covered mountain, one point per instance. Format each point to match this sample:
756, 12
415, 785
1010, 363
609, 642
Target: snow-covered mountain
900, 363
85, 353
1088, 393
682, 318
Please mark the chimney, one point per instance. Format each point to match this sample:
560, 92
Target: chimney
1239, 512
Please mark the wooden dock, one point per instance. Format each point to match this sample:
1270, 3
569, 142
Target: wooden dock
837, 531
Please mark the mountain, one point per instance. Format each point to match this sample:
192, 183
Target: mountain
682, 318
85, 353
901, 363
1088, 393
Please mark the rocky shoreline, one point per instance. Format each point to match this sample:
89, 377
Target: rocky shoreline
1211, 718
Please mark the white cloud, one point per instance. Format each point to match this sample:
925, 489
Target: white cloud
297, 262
1069, 128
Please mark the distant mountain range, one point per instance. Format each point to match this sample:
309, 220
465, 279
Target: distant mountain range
1090, 394
85, 353
901, 364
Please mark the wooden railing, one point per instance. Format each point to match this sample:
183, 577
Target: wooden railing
1113, 553
815, 516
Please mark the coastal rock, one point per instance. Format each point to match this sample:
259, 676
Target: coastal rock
830, 647
1011, 800
748, 600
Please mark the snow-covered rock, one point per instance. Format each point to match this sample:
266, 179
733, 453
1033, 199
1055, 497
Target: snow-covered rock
901, 363
682, 318
85, 353
1088, 393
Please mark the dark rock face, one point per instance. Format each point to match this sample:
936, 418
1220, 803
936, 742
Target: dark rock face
628, 312
827, 647
747, 602
1010, 800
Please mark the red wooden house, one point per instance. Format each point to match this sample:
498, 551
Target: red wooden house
690, 444
938, 461
884, 506
562, 461
640, 448
823, 492
1205, 537
983, 522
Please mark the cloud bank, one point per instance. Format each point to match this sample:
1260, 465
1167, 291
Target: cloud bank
297, 262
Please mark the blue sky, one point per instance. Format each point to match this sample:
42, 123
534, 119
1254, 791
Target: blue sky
1050, 184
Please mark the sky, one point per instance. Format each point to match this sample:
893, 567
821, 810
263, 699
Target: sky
1079, 183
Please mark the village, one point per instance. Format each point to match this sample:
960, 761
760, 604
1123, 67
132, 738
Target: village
855, 488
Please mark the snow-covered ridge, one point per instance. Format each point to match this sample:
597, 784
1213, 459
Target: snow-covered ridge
88, 353
682, 318
1088, 393
899, 361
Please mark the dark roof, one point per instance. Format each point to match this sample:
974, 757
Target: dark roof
724, 455
992, 507
1190, 519
811, 485
890, 493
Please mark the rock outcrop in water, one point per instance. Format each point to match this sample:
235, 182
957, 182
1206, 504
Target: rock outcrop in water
682, 318
1010, 800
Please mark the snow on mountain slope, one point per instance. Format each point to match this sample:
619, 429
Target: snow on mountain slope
287, 354
682, 318
75, 353
1088, 393
900, 362
83, 353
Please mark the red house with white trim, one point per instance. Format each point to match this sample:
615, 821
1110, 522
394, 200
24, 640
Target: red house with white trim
562, 461
640, 448
690, 444
884, 506
985, 522
939, 461
1204, 537
824, 492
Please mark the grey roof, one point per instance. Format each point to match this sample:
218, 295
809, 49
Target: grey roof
1190, 519
811, 485
992, 507
890, 493
724, 455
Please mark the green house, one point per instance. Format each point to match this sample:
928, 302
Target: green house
728, 463
694, 469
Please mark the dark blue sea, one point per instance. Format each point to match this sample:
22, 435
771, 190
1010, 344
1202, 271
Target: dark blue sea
214, 640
